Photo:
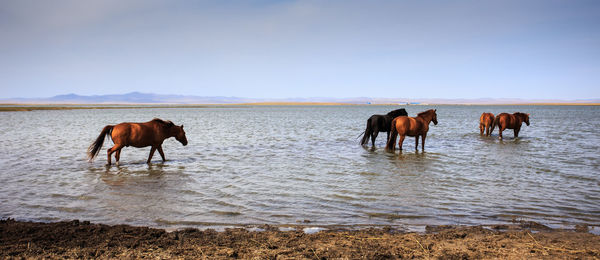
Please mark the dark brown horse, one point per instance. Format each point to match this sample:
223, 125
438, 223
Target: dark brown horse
411, 126
486, 120
514, 121
380, 123
138, 135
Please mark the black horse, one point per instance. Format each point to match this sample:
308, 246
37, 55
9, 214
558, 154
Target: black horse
380, 123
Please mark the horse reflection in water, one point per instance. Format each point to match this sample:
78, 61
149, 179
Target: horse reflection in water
152, 133
411, 126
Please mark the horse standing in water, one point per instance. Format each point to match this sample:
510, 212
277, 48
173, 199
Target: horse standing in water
152, 133
514, 121
486, 120
411, 126
380, 123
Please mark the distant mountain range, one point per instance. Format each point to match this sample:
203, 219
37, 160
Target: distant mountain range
149, 98
129, 98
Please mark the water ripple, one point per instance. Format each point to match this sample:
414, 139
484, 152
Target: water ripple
284, 165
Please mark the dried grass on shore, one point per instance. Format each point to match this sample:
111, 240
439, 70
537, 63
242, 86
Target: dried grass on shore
76, 239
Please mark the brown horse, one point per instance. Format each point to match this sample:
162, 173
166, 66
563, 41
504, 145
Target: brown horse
514, 121
152, 133
411, 126
486, 120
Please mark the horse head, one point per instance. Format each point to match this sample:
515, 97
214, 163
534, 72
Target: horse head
180, 135
524, 118
429, 115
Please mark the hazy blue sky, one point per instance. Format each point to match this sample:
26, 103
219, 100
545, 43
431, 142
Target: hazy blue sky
277, 49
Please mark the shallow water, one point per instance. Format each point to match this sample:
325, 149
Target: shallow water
303, 165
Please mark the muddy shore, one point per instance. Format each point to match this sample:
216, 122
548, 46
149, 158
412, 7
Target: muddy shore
76, 239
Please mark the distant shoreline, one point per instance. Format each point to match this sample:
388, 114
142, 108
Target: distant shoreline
42, 106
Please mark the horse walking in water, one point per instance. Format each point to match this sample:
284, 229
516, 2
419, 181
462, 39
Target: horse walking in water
486, 120
411, 126
514, 121
380, 123
152, 133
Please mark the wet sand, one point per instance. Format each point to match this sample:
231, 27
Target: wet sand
75, 239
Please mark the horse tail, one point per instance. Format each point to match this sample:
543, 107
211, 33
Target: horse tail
367, 133
391, 142
94, 148
494, 123
359, 135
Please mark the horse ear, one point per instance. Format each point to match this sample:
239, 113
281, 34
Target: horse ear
181, 126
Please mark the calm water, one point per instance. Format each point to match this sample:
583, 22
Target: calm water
290, 165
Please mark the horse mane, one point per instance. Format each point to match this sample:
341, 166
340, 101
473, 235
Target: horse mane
520, 114
398, 112
425, 112
163, 122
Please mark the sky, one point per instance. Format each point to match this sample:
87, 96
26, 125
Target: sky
540, 49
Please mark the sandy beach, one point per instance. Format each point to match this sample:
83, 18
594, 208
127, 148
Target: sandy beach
81, 239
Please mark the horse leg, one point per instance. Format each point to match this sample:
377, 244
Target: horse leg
390, 144
423, 142
500, 129
416, 143
374, 136
517, 132
401, 141
388, 136
487, 130
481, 129
118, 155
160, 151
151, 154
110, 151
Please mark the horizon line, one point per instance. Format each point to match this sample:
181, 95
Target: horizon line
304, 99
